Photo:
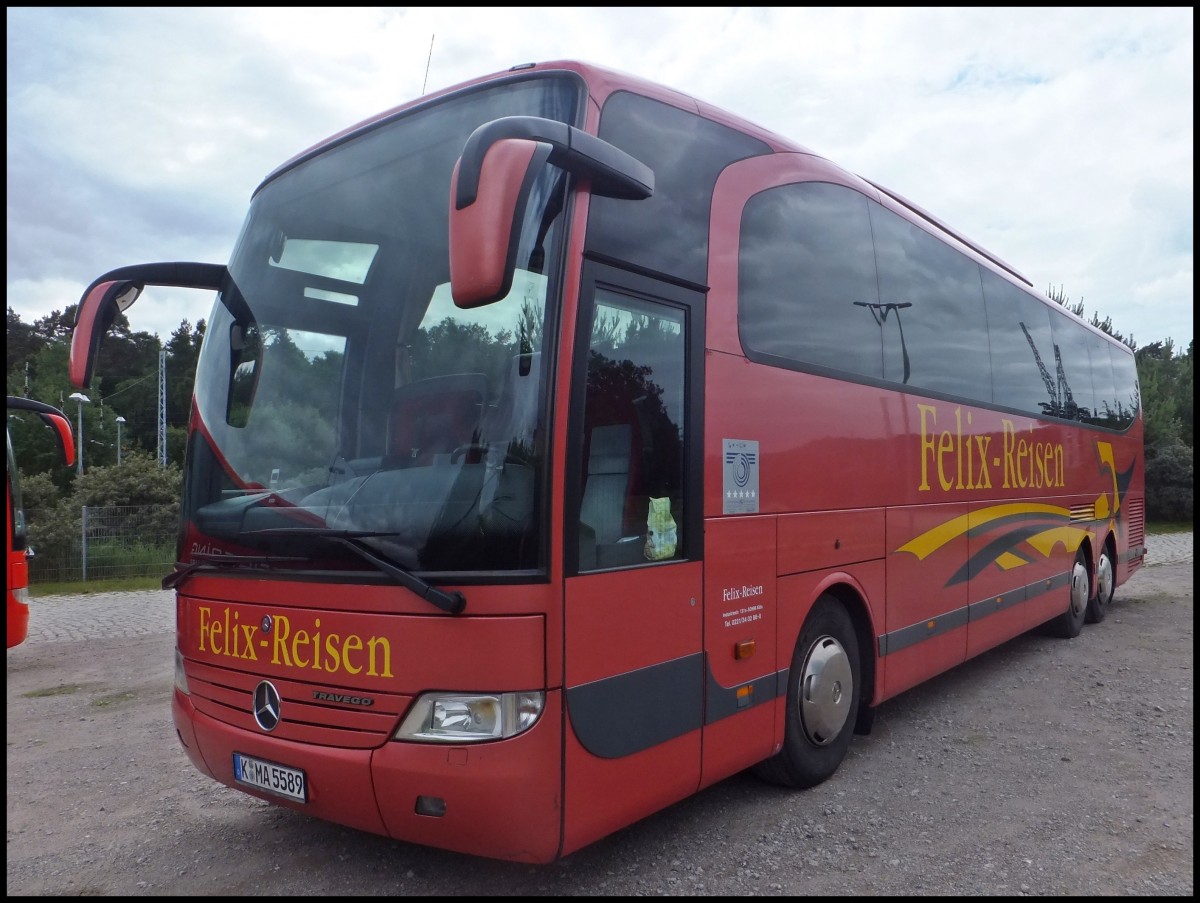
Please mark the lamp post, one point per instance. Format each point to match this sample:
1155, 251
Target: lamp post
120, 420
81, 400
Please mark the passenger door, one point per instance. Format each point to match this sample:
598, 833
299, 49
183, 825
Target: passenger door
633, 614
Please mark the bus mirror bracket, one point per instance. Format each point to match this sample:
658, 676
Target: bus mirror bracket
53, 418
114, 293
491, 186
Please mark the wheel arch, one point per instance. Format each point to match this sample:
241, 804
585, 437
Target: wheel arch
853, 600
1089, 556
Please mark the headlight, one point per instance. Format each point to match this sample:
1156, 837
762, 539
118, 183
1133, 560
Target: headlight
470, 717
181, 683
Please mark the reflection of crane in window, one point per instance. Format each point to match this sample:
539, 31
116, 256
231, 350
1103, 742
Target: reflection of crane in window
1070, 409
1062, 402
1051, 407
880, 312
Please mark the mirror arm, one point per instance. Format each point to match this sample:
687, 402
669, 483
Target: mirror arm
612, 172
114, 292
173, 275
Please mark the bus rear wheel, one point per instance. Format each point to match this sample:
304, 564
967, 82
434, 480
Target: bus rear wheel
1070, 622
1106, 585
824, 690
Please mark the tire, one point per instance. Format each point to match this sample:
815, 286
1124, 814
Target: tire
1070, 622
824, 691
1106, 586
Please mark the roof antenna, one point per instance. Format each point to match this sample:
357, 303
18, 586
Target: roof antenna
427, 62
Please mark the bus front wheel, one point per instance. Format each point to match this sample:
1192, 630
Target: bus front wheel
824, 690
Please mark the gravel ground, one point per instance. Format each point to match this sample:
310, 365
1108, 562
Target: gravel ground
1045, 767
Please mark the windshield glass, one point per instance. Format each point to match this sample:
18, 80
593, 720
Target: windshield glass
341, 394
16, 511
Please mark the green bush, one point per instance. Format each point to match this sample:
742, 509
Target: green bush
1169, 487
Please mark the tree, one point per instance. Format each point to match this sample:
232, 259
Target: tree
1166, 378
1169, 481
23, 343
125, 383
138, 482
183, 352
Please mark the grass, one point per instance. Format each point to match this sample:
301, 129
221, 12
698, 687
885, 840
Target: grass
104, 585
1164, 528
120, 584
60, 690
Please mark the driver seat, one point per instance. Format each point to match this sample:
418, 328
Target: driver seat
432, 417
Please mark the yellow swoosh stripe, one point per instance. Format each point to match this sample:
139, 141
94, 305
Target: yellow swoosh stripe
932, 540
1070, 537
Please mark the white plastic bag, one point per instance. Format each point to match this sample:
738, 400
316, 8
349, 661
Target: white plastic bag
661, 535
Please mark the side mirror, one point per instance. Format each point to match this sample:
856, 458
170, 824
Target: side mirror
484, 234
490, 190
114, 292
53, 418
97, 310
245, 367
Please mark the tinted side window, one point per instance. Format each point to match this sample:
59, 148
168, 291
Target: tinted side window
1105, 411
632, 492
1022, 349
930, 311
1128, 396
807, 290
667, 232
1073, 367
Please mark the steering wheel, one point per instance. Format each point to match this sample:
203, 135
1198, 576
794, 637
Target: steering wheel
460, 453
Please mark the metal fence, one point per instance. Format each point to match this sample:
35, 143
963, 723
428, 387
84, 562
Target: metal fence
97, 543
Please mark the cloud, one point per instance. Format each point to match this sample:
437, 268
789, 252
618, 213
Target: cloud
1059, 138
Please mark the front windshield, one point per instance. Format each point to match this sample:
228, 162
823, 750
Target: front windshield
340, 392
16, 511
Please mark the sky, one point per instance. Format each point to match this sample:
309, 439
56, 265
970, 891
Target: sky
1060, 139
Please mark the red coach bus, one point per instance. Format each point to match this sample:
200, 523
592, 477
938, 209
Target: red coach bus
17, 629
562, 445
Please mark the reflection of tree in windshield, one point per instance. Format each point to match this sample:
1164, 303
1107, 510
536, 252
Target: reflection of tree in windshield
453, 347
621, 390
290, 423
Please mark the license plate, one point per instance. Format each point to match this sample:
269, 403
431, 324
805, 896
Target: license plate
273, 778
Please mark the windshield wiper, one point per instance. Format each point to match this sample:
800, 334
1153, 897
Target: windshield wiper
451, 601
177, 577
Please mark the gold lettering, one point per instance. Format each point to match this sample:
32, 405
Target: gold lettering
299, 648
985, 473
279, 650
249, 653
958, 483
233, 632
930, 412
353, 643
380, 642
316, 645
214, 637
298, 644
332, 653
1010, 475
945, 446
970, 457
205, 626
